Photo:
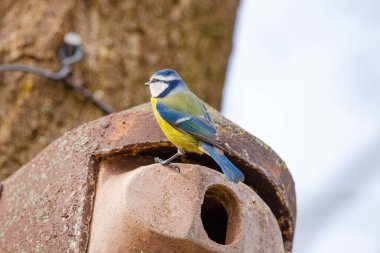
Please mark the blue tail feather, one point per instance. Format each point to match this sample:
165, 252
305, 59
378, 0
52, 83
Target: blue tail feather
231, 172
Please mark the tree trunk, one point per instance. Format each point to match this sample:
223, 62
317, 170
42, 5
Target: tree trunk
124, 42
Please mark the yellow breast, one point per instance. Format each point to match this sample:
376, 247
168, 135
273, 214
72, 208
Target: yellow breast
182, 140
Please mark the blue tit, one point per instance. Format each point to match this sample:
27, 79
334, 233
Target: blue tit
186, 122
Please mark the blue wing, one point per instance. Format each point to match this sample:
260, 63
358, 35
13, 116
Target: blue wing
196, 126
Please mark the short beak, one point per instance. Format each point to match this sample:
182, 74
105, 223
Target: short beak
147, 83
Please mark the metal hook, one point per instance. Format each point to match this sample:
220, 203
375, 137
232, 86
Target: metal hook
70, 51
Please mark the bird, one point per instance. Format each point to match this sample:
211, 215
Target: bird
186, 122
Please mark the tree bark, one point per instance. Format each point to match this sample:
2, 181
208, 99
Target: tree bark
124, 42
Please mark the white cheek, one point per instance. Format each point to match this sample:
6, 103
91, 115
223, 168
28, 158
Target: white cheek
157, 88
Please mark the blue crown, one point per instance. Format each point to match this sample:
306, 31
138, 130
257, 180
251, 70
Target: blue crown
166, 72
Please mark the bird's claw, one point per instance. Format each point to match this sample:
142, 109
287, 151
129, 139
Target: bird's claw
163, 162
158, 160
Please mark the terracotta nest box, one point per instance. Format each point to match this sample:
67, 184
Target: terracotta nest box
97, 189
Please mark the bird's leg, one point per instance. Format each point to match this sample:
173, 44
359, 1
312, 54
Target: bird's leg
168, 161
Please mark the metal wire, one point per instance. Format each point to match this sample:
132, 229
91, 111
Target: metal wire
63, 72
107, 109
69, 53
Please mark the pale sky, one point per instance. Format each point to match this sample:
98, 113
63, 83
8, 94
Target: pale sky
304, 77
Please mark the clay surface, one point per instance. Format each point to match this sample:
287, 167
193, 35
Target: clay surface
158, 209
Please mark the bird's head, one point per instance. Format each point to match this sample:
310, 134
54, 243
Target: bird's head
164, 81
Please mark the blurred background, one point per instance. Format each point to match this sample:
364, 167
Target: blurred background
304, 76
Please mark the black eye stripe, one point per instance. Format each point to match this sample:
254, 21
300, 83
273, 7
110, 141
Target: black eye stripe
171, 86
